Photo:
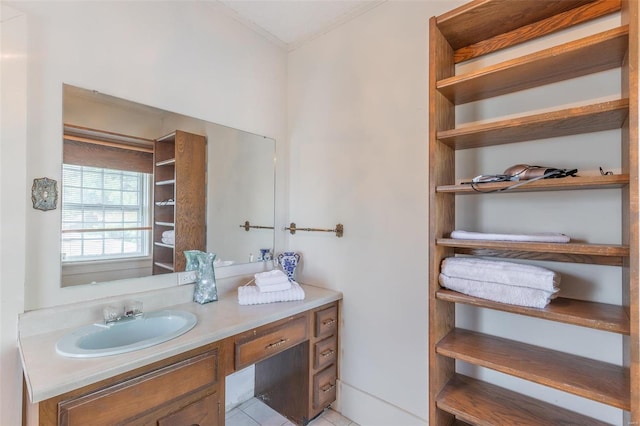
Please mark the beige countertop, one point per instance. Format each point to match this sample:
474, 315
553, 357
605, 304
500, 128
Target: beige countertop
49, 374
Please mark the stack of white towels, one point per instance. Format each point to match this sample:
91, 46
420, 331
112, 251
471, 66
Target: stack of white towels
169, 237
271, 286
504, 282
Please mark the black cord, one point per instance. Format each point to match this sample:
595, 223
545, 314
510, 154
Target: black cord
551, 174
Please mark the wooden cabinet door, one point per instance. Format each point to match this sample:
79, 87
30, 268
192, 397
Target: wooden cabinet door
204, 412
124, 402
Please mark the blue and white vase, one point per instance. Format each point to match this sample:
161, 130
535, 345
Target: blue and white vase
265, 255
205, 290
289, 261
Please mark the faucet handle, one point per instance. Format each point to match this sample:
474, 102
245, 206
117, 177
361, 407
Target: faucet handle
133, 308
110, 314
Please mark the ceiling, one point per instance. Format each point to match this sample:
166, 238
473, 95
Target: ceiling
291, 23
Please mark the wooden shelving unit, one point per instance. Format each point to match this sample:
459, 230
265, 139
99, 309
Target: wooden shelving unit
471, 31
179, 199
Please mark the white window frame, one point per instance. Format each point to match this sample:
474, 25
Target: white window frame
143, 227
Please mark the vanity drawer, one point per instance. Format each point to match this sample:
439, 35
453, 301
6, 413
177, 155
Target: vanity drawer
326, 321
325, 352
263, 343
324, 387
141, 394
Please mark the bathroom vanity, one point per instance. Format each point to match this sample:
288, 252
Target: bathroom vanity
294, 346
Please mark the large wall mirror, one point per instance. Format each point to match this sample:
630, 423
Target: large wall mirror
118, 181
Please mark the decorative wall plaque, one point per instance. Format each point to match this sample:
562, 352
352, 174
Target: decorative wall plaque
44, 194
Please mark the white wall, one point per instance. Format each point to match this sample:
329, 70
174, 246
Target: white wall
13, 204
358, 128
186, 57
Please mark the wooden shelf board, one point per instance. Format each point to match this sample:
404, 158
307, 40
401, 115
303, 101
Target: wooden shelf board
598, 316
166, 266
476, 21
569, 183
481, 403
170, 137
588, 378
168, 224
163, 245
169, 162
589, 55
568, 248
543, 256
549, 25
571, 121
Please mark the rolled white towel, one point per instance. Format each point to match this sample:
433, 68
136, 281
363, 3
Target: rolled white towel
168, 234
168, 241
501, 272
513, 295
544, 237
251, 295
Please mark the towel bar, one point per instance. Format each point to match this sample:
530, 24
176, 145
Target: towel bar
339, 229
248, 226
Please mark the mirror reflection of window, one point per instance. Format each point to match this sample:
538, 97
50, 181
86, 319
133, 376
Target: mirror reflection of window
105, 213
106, 205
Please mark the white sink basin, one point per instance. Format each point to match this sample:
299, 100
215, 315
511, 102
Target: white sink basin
127, 335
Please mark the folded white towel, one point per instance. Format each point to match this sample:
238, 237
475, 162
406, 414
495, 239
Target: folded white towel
168, 234
168, 241
497, 271
286, 285
274, 280
521, 296
274, 275
251, 295
545, 237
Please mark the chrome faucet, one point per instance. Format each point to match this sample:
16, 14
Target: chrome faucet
131, 310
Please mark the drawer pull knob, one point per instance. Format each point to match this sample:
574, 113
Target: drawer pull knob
328, 388
276, 344
329, 321
327, 353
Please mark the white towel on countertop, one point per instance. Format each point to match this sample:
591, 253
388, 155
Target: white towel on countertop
545, 237
275, 276
515, 274
521, 296
274, 280
286, 285
251, 295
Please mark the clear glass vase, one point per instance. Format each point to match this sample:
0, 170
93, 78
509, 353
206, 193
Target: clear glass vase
205, 290
192, 259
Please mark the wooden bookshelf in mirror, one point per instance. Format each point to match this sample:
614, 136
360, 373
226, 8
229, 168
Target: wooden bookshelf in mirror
179, 219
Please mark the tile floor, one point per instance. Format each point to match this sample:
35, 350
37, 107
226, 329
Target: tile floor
255, 413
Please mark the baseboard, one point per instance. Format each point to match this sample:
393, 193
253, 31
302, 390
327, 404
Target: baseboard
366, 409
